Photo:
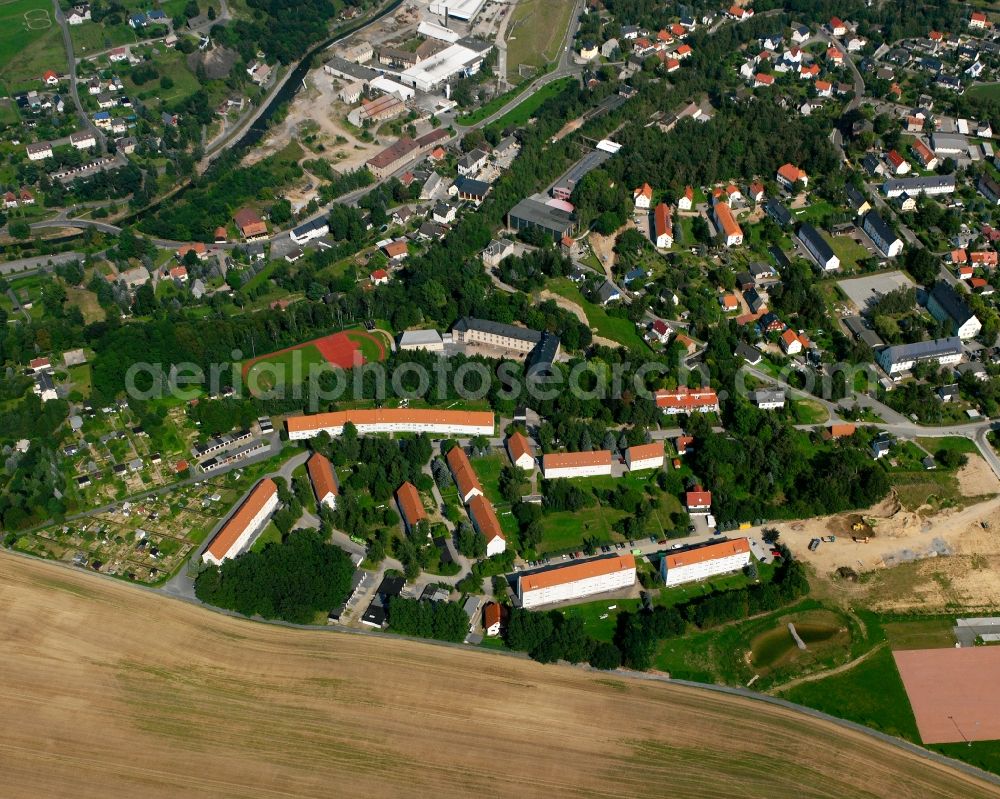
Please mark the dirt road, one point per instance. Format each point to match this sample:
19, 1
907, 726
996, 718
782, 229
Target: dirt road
113, 691
573, 308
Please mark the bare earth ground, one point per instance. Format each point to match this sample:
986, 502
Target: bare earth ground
925, 560
318, 104
573, 308
112, 691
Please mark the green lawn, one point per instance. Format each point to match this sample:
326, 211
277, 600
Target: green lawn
808, 411
525, 110
269, 535
615, 328
370, 350
846, 249
984, 91
491, 107
93, 37
536, 33
871, 693
286, 368
951, 443
30, 44
566, 530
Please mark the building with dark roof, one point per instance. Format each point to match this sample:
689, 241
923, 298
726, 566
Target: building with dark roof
945, 304
885, 238
532, 213
778, 212
814, 243
310, 230
931, 185
902, 358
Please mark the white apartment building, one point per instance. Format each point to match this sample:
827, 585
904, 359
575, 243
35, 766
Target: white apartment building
705, 561
393, 420
580, 579
644, 456
250, 517
576, 464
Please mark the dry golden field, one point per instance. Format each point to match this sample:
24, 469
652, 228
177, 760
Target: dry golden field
108, 690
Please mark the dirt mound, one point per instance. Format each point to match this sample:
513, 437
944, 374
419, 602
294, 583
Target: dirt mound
217, 61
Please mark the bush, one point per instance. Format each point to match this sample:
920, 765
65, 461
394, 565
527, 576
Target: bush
293, 580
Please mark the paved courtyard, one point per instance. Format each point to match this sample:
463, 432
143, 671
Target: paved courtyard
864, 290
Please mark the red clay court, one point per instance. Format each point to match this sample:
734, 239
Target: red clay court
345, 349
954, 693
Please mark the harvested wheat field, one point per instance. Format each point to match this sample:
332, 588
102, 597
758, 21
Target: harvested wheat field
112, 691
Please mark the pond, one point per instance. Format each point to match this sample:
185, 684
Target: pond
770, 648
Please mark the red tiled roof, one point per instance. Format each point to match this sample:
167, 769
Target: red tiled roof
724, 214
481, 511
722, 549
698, 498
791, 173
234, 528
661, 220
426, 416
685, 398
491, 614
409, 503
642, 452
645, 190
581, 570
567, 460
249, 223
462, 471
518, 445
840, 430
321, 474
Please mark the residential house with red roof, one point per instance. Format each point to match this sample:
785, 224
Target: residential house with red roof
698, 501
789, 174
644, 456
250, 517
642, 196
898, 164
521, 453
686, 200
687, 400
576, 464
663, 228
574, 580
324, 480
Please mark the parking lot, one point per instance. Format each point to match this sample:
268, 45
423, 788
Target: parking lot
863, 290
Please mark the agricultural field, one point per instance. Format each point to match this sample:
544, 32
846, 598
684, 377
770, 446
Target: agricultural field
536, 33
156, 682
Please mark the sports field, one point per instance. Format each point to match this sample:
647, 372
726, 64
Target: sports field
346, 349
536, 33
113, 691
30, 43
